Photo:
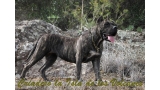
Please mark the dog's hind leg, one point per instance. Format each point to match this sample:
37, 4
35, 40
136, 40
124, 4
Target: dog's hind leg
50, 59
39, 52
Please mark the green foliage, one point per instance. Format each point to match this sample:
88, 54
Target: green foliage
130, 27
139, 29
128, 14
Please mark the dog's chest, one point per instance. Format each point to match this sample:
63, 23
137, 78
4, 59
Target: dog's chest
86, 47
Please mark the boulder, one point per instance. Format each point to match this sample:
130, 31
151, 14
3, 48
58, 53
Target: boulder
27, 32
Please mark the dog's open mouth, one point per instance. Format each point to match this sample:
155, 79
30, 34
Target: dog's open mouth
109, 38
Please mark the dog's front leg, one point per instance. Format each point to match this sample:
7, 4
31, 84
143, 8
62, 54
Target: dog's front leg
93, 55
96, 66
79, 58
78, 65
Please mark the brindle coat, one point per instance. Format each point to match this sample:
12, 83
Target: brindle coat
76, 50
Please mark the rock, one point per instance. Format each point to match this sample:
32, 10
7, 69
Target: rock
17, 76
26, 34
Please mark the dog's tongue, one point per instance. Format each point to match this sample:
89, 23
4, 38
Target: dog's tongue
111, 38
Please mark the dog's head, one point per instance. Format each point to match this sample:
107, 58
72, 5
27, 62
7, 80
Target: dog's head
107, 30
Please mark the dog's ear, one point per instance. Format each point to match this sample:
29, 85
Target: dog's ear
99, 20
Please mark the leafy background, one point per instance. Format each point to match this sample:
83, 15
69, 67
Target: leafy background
67, 14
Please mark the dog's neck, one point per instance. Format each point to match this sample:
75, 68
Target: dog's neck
96, 38
96, 34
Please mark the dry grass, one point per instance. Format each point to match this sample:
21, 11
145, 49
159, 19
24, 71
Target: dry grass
124, 59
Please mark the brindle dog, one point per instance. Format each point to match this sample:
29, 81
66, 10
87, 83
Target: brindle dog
87, 47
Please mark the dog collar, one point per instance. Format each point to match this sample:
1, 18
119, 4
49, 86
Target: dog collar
95, 46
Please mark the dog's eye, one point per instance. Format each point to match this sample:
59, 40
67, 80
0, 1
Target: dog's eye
106, 24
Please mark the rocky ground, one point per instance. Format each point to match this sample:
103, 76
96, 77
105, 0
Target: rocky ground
122, 60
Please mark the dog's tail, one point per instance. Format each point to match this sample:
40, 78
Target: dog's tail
32, 51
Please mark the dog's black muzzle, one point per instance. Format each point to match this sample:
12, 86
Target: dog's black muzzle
111, 32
